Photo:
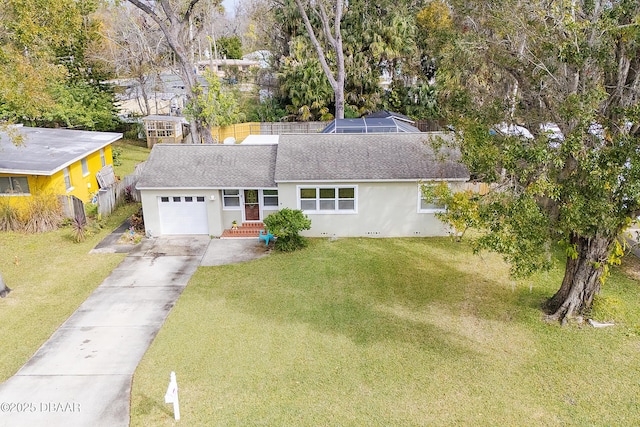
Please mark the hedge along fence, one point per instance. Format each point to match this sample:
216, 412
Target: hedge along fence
108, 198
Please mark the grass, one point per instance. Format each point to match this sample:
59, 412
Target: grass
133, 152
50, 276
382, 332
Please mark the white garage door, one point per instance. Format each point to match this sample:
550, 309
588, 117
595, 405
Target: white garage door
183, 215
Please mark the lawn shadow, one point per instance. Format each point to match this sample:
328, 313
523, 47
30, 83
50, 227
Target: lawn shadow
151, 405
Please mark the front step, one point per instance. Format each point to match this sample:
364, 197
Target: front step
248, 230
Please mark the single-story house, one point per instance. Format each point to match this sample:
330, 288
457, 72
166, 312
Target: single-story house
349, 185
52, 161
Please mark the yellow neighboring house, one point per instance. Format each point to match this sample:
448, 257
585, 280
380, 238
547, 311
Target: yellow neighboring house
52, 161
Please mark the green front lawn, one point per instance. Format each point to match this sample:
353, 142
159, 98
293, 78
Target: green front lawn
131, 153
382, 332
50, 276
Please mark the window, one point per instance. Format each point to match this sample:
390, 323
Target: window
328, 199
231, 198
160, 129
103, 159
177, 199
270, 198
14, 185
188, 199
164, 199
67, 179
429, 206
85, 167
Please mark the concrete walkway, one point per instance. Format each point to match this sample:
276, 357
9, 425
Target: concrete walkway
82, 375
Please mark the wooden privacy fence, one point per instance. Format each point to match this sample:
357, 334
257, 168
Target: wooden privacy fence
241, 130
108, 198
72, 207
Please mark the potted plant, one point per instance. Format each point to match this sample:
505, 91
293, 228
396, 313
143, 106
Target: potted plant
234, 225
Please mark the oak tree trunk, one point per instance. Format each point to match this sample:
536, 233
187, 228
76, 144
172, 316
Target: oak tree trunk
581, 277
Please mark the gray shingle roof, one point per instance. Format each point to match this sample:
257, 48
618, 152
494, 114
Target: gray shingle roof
300, 158
209, 166
352, 157
45, 151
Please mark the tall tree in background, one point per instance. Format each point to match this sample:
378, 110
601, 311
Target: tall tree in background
378, 43
574, 64
135, 48
330, 15
230, 47
175, 21
46, 77
216, 107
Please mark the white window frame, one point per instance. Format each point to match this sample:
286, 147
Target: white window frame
428, 210
264, 198
226, 197
336, 199
67, 179
103, 159
85, 167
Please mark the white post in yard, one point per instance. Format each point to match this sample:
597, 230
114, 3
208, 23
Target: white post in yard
171, 396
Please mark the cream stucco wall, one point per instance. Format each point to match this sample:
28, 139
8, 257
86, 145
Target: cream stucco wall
218, 218
151, 210
384, 209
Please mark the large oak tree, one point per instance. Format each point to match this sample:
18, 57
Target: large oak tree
176, 21
575, 64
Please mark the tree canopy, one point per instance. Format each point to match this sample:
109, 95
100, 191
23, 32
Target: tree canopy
568, 72
378, 42
46, 76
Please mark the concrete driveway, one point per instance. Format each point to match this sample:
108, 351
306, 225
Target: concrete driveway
82, 375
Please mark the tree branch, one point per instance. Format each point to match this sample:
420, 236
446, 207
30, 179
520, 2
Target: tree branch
152, 14
318, 47
189, 11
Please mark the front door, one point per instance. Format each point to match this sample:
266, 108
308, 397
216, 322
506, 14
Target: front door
251, 205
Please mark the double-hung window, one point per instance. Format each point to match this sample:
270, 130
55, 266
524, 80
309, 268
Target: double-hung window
231, 199
270, 198
85, 167
14, 185
429, 205
327, 199
67, 179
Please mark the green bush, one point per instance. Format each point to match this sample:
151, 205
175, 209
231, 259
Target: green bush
286, 225
117, 156
91, 209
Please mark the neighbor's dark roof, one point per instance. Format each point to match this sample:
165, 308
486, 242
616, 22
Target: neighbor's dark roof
209, 166
45, 151
385, 114
377, 157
